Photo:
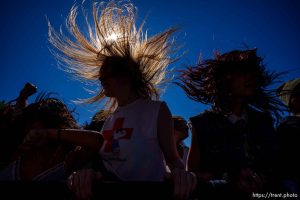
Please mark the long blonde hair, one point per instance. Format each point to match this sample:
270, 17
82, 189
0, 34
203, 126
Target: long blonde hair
114, 34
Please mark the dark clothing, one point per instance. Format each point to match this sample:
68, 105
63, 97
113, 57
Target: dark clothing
227, 147
289, 138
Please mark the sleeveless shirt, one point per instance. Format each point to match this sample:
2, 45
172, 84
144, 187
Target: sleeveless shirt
131, 149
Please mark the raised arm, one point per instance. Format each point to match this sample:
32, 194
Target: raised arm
87, 138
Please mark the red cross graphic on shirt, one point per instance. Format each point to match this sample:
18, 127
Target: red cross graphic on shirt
108, 135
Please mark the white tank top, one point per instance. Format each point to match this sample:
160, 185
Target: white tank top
131, 149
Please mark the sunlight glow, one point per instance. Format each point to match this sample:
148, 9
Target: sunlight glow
113, 37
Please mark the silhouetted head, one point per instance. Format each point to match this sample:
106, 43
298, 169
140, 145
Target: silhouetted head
46, 113
118, 74
98, 120
130, 58
181, 129
289, 93
238, 74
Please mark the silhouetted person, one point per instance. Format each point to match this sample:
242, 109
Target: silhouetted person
233, 142
181, 131
138, 136
37, 157
97, 121
8, 112
289, 136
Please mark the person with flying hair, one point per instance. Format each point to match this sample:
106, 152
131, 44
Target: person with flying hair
288, 132
131, 68
8, 112
40, 157
233, 143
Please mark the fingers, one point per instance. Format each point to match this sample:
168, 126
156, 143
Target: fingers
258, 181
88, 179
194, 180
191, 180
74, 184
70, 183
81, 183
177, 183
184, 183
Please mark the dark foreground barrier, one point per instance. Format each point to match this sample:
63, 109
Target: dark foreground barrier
107, 190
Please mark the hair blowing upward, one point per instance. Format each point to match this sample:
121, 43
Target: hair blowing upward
207, 82
114, 35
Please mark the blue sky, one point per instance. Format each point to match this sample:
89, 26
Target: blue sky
206, 25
